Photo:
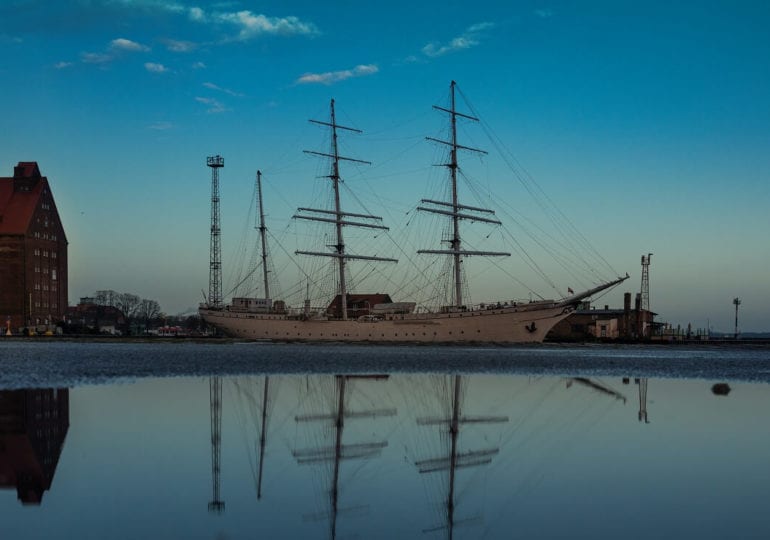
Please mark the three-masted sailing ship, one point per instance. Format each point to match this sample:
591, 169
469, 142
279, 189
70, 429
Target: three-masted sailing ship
385, 320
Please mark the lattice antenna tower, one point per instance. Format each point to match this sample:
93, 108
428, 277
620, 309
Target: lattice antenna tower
645, 306
215, 260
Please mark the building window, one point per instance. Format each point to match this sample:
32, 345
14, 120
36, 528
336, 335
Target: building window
37, 286
37, 269
37, 252
45, 269
53, 255
45, 253
53, 274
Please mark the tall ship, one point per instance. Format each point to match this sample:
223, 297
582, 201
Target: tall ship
378, 317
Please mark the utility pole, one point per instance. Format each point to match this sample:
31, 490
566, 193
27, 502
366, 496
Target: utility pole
737, 302
215, 260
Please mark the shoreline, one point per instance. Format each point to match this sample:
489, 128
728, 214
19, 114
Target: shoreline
89, 338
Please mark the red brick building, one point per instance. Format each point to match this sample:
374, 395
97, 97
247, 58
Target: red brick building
33, 251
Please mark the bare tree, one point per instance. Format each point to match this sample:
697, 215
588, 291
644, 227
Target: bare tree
148, 310
129, 305
106, 298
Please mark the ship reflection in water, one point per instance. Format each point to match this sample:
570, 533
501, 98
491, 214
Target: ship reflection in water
388, 456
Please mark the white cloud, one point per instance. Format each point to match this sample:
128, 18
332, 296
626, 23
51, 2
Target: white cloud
123, 44
215, 106
95, 58
152, 67
174, 45
213, 86
199, 65
115, 47
161, 126
10, 39
252, 25
478, 27
335, 76
544, 13
468, 39
62, 65
197, 14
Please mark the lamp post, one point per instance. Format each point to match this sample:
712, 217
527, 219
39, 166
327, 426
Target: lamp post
737, 302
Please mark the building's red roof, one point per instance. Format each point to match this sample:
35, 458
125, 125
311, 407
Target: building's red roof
17, 206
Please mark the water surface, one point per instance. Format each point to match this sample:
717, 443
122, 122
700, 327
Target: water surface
122, 440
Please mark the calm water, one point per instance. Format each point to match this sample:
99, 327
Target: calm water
118, 440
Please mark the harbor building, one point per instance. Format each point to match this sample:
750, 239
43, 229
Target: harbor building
33, 252
588, 322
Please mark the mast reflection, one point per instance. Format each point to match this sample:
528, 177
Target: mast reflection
449, 424
33, 426
332, 455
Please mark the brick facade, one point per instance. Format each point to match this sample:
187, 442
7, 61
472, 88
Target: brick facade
33, 251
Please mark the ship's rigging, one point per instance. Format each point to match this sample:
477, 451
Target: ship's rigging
433, 284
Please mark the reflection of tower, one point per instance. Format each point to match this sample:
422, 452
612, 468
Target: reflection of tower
642, 399
215, 261
335, 454
456, 460
644, 307
33, 426
217, 505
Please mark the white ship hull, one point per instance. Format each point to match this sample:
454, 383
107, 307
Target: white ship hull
528, 323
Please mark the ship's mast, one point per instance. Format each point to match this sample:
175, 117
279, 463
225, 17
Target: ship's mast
458, 211
262, 231
455, 219
339, 217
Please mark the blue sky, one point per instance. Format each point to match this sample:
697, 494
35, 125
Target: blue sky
645, 123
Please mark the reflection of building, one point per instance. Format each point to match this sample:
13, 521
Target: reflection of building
591, 323
33, 425
33, 250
